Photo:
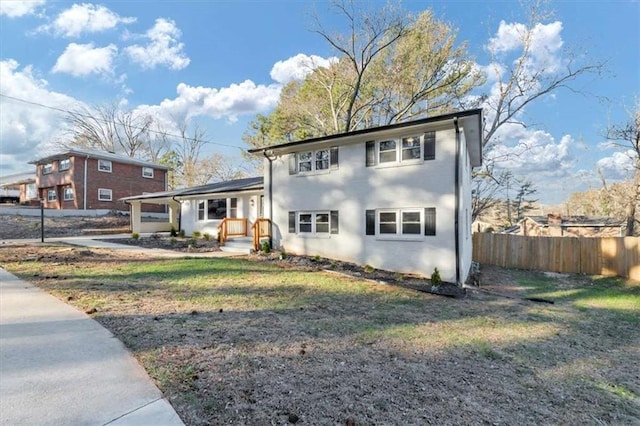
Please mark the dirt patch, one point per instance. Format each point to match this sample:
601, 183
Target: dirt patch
183, 245
18, 227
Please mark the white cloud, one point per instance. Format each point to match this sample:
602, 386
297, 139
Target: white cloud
298, 67
18, 8
84, 18
84, 59
534, 152
620, 165
163, 48
246, 98
27, 129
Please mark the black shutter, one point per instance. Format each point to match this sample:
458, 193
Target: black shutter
292, 222
370, 216
371, 153
293, 164
335, 226
430, 146
430, 221
334, 157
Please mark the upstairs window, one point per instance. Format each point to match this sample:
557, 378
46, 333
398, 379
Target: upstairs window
313, 161
105, 166
147, 172
409, 149
64, 165
47, 168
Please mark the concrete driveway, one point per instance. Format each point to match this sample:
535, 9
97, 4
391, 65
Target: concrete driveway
60, 367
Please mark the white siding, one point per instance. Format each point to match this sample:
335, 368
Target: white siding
464, 223
355, 188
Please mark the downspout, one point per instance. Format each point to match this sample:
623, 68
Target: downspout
456, 227
84, 188
179, 213
264, 152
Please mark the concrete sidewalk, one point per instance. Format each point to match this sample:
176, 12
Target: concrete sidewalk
60, 367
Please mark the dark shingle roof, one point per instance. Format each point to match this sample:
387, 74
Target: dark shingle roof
236, 185
104, 155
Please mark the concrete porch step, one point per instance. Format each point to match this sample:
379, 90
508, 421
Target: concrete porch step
238, 245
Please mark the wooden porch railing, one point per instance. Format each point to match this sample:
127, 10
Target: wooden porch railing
261, 228
232, 227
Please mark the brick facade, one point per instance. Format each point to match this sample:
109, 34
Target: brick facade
124, 180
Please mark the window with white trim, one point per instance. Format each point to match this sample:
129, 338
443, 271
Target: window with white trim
47, 168
105, 194
233, 207
407, 150
105, 166
64, 164
401, 223
147, 172
312, 161
212, 209
51, 195
67, 194
319, 160
314, 223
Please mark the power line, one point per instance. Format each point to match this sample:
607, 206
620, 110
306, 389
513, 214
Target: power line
66, 111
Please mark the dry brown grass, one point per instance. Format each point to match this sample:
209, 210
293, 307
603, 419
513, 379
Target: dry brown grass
245, 342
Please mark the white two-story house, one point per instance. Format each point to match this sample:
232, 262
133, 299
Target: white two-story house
396, 197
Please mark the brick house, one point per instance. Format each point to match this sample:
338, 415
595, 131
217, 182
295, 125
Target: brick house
90, 180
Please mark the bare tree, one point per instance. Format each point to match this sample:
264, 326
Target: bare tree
626, 137
368, 36
108, 128
521, 82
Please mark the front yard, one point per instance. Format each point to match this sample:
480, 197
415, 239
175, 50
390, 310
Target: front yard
248, 342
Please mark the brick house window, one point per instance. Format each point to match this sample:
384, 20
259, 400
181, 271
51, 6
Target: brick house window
147, 172
47, 168
64, 164
51, 195
105, 194
68, 194
105, 166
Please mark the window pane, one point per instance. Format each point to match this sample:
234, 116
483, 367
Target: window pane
387, 217
304, 166
411, 217
411, 148
217, 208
387, 146
322, 222
322, 159
387, 228
322, 227
322, 217
306, 218
305, 227
411, 228
201, 210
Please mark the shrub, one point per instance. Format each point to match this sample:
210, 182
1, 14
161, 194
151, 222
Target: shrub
173, 232
316, 258
192, 242
206, 236
181, 233
435, 278
135, 235
173, 241
196, 234
368, 269
266, 248
283, 254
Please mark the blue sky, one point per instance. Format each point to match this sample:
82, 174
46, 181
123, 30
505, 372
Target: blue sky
221, 62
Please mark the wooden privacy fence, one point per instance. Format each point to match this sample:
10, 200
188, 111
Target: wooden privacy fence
594, 256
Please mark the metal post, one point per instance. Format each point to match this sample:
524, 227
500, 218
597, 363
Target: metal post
41, 220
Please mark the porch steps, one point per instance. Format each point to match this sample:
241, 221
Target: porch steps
238, 245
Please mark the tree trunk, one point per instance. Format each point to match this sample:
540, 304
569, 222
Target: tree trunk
633, 200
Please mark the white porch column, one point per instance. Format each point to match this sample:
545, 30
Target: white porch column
136, 221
